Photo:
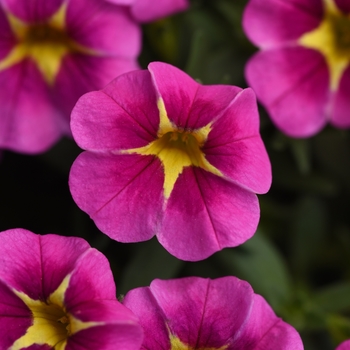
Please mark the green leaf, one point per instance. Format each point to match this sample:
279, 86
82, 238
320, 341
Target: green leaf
335, 298
308, 227
149, 261
259, 263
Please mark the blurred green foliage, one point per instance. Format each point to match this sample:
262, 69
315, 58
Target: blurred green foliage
299, 260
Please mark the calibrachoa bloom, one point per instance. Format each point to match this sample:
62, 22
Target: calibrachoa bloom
52, 52
202, 314
344, 346
58, 293
150, 10
302, 74
170, 157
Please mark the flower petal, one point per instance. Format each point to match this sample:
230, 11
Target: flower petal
122, 2
210, 103
144, 305
27, 261
341, 103
88, 73
343, 5
61, 253
20, 267
206, 213
149, 10
26, 103
107, 337
344, 345
118, 117
201, 313
7, 38
264, 330
234, 145
91, 279
32, 11
189, 104
104, 27
177, 90
15, 317
123, 194
293, 84
270, 23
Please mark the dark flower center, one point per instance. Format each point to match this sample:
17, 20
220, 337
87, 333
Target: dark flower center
341, 29
45, 34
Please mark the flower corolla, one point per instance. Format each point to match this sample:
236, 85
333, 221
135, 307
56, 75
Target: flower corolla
58, 293
202, 314
51, 53
302, 73
167, 156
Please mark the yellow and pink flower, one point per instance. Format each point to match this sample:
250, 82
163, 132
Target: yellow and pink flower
51, 53
302, 73
167, 156
58, 293
202, 314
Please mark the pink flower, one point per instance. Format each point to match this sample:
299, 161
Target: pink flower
196, 313
170, 157
302, 73
58, 293
51, 53
150, 10
344, 346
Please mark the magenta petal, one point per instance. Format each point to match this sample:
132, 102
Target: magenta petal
120, 328
104, 27
61, 253
150, 10
123, 194
103, 120
270, 23
15, 317
152, 319
234, 145
200, 311
210, 103
343, 5
91, 279
189, 104
176, 88
214, 215
264, 330
293, 84
26, 104
341, 103
107, 337
27, 261
88, 73
122, 2
32, 11
209, 314
107, 311
20, 266
344, 345
7, 39
39, 347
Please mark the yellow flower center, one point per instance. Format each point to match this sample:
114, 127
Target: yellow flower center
332, 39
46, 44
52, 325
177, 149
